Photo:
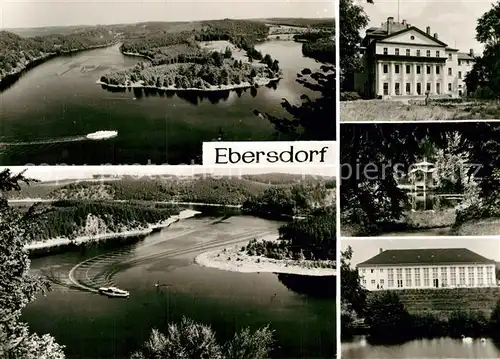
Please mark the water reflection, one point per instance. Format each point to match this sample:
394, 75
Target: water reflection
194, 97
314, 286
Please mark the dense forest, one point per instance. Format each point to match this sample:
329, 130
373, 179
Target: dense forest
214, 70
70, 218
17, 52
297, 199
312, 238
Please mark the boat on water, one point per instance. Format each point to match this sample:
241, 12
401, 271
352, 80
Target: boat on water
114, 292
102, 135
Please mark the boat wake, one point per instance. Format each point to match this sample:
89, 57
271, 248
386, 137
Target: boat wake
48, 141
99, 135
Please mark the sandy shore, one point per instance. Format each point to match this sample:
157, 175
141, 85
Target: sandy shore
231, 259
259, 81
56, 242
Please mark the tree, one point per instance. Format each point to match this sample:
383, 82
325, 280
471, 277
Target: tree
19, 286
352, 20
191, 340
387, 317
353, 299
495, 320
228, 54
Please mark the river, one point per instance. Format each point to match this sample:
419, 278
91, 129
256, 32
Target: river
46, 114
97, 327
422, 348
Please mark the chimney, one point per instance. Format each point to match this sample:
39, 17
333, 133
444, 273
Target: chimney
403, 22
436, 36
428, 30
390, 21
471, 52
380, 250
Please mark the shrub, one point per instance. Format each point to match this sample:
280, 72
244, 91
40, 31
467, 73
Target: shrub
349, 96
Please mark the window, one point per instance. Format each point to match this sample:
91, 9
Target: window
435, 280
363, 270
480, 276
385, 51
417, 276
426, 277
390, 278
407, 52
453, 276
467, 62
381, 283
461, 273
364, 282
459, 62
408, 88
408, 69
412, 37
418, 52
489, 275
450, 57
438, 88
396, 88
418, 69
428, 53
428, 68
437, 69
419, 88
428, 86
373, 282
437, 53
449, 71
386, 88
449, 87
371, 270
381, 270
408, 277
444, 277
396, 52
459, 74
471, 276
396, 69
386, 68
399, 277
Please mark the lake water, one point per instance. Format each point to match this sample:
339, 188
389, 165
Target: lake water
423, 348
97, 327
45, 115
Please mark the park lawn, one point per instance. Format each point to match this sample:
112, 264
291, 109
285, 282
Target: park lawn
383, 110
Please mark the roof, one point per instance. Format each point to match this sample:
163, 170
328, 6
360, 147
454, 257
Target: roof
465, 56
426, 256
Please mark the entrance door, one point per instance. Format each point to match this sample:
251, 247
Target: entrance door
419, 88
436, 283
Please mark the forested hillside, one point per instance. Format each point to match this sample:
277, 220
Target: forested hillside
73, 218
17, 52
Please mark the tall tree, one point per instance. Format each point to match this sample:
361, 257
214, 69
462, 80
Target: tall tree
18, 286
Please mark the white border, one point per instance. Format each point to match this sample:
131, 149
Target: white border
338, 182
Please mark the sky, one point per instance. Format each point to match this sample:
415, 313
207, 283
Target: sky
58, 173
454, 20
364, 249
39, 13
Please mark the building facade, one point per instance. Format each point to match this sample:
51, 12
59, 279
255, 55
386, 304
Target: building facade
400, 60
427, 268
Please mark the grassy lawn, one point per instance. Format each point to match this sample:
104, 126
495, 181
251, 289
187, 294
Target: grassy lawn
444, 301
382, 110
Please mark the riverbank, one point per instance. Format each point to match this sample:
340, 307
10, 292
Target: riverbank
213, 88
18, 71
58, 243
234, 260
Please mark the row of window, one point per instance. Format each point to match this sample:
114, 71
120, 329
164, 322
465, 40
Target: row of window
418, 69
415, 280
408, 52
397, 88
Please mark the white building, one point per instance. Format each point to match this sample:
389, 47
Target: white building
400, 60
427, 268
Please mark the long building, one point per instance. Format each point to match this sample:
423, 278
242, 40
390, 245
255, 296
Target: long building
427, 268
400, 60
